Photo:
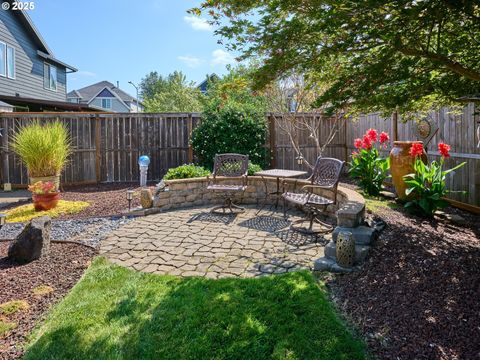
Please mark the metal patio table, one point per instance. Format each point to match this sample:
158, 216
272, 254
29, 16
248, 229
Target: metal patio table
278, 174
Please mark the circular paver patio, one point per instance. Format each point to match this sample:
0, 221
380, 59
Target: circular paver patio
194, 242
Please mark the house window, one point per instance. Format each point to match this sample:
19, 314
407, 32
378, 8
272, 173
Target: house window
73, 100
107, 103
49, 77
3, 59
10, 62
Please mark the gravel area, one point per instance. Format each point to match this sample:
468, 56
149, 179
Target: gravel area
60, 271
417, 296
85, 231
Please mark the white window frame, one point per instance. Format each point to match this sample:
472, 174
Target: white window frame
109, 99
13, 63
49, 66
3, 69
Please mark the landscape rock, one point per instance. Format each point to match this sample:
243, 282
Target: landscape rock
33, 242
146, 198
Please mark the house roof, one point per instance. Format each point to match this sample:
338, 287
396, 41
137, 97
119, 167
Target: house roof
89, 92
203, 86
42, 105
45, 51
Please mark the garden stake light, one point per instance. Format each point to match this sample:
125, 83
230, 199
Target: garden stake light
3, 219
129, 199
300, 160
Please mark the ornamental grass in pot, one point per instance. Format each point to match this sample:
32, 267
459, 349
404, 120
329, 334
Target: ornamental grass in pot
44, 150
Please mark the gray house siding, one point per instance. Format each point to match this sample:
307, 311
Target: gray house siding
28, 82
117, 106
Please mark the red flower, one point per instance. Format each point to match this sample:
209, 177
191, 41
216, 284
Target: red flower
367, 142
416, 150
357, 143
372, 135
444, 150
384, 137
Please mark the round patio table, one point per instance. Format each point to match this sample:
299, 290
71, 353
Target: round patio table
278, 174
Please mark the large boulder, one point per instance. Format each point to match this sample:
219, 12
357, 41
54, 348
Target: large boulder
33, 242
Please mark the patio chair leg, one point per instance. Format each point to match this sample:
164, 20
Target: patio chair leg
311, 218
228, 204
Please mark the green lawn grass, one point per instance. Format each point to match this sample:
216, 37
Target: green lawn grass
116, 313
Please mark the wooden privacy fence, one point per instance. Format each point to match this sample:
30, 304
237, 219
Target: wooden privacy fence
106, 146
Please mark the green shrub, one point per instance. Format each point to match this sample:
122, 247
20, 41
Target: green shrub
253, 168
186, 172
43, 149
233, 121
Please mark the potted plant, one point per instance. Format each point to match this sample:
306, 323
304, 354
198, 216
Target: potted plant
45, 196
44, 150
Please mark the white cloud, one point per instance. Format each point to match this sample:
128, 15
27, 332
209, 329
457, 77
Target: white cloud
221, 57
198, 24
190, 61
86, 73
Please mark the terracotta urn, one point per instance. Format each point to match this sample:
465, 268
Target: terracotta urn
401, 164
44, 202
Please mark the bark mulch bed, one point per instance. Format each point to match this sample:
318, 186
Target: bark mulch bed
60, 270
418, 294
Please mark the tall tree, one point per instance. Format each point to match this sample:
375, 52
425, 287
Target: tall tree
373, 54
170, 94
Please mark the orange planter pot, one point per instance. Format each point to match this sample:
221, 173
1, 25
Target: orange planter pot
401, 164
46, 201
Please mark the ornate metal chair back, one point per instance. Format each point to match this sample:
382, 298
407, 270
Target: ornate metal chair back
326, 172
230, 165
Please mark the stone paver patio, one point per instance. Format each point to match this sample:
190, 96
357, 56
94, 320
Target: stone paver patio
193, 242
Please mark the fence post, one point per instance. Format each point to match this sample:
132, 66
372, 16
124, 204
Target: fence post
98, 152
189, 130
395, 126
272, 148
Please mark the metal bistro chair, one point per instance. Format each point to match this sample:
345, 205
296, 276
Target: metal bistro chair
230, 167
326, 175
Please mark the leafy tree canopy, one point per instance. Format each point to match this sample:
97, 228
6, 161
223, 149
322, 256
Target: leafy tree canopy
170, 94
401, 55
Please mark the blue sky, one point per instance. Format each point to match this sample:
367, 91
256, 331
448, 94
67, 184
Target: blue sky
124, 40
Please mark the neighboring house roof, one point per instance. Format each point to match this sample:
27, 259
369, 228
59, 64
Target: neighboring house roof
203, 86
74, 94
41, 105
104, 93
37, 37
4, 105
89, 93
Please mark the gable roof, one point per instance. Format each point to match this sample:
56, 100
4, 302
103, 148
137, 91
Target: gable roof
111, 92
74, 94
203, 86
44, 50
88, 93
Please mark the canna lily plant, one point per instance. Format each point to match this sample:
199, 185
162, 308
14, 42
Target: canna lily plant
427, 183
367, 166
